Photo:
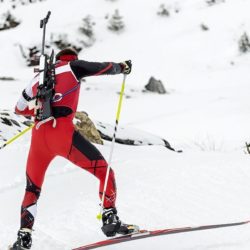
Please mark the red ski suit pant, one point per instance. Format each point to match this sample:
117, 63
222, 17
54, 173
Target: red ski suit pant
63, 140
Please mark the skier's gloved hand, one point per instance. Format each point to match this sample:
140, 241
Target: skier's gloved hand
126, 67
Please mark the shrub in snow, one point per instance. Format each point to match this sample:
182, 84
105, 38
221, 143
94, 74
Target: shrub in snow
248, 147
204, 27
155, 86
30, 54
244, 43
87, 30
15, 3
87, 26
61, 42
33, 56
116, 23
208, 144
25, 2
212, 2
163, 11
8, 21
6, 78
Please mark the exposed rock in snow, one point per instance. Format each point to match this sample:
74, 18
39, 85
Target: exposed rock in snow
155, 86
86, 127
12, 124
130, 136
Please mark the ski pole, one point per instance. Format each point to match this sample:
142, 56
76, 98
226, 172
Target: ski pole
16, 136
99, 216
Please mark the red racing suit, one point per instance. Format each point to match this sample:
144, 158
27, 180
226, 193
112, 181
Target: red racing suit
63, 140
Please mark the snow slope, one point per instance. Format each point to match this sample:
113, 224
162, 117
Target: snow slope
205, 114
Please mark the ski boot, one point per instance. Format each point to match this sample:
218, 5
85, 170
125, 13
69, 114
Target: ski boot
24, 240
112, 224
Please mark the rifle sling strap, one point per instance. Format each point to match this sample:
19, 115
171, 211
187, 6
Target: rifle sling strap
26, 96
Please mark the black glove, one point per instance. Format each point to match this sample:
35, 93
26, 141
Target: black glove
126, 67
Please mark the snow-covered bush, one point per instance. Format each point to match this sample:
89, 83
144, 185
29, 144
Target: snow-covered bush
61, 42
244, 43
212, 2
116, 23
204, 27
7, 78
247, 147
208, 144
8, 21
87, 26
163, 11
31, 54
87, 30
16, 3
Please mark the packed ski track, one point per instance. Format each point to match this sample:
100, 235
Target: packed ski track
205, 113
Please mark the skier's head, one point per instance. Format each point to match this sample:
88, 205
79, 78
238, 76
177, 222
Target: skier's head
67, 54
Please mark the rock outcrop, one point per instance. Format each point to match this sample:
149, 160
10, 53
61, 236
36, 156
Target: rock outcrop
87, 128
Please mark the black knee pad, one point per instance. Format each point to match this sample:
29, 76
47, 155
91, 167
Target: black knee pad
31, 187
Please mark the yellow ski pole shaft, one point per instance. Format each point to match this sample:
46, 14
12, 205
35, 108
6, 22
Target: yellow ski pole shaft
16, 136
99, 216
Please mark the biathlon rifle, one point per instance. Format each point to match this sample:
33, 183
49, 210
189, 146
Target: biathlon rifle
45, 90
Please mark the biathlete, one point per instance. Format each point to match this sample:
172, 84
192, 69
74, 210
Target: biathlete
59, 138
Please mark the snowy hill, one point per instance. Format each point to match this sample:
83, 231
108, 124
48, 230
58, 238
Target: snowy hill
206, 113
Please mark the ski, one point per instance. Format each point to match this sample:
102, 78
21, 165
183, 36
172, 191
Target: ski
148, 233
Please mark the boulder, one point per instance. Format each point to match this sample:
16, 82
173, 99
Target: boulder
131, 136
155, 86
87, 128
94, 131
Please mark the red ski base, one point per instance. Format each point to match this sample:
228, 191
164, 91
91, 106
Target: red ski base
145, 234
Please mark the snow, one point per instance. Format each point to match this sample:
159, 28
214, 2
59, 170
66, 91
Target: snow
206, 115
